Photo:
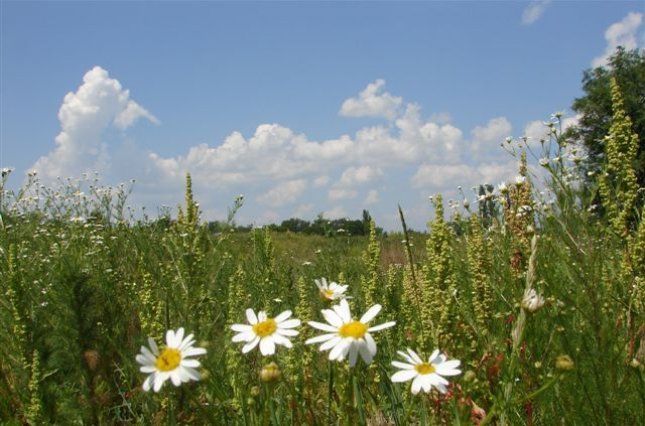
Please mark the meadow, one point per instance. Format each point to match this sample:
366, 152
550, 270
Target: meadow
535, 287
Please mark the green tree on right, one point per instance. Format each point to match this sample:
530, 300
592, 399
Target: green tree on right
595, 107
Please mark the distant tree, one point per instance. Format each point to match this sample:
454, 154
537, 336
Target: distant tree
595, 107
367, 219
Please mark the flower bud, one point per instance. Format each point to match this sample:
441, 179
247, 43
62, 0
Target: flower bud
564, 363
270, 373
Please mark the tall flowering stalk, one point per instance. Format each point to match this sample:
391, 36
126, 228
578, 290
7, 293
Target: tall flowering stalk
439, 283
618, 184
370, 281
479, 266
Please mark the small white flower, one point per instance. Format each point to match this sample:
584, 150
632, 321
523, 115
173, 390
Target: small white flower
544, 162
532, 301
174, 362
330, 291
345, 335
519, 180
502, 188
425, 375
265, 331
307, 263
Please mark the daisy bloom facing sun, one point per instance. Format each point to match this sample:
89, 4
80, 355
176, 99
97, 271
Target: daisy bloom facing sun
174, 362
330, 291
425, 375
265, 331
345, 335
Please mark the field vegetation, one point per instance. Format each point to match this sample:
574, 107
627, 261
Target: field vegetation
537, 289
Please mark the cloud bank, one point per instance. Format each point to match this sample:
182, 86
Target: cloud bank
402, 159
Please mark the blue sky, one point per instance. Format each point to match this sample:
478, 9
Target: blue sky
303, 107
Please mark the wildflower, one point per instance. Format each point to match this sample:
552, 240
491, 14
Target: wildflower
519, 180
502, 188
424, 374
532, 301
265, 331
544, 162
270, 373
345, 335
307, 263
330, 291
174, 362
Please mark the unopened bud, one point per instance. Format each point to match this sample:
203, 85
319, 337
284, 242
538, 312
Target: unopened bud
564, 363
270, 373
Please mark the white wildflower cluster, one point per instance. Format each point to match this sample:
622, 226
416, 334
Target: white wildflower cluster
344, 337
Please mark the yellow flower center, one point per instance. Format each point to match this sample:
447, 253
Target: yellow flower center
424, 368
168, 360
265, 328
327, 294
355, 329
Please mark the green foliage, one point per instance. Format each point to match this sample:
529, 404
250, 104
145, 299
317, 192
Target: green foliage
596, 111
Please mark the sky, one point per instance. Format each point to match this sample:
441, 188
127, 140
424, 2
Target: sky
303, 107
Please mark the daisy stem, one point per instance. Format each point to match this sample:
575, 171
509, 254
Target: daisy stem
171, 412
358, 398
423, 412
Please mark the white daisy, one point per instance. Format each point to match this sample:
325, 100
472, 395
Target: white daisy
330, 291
266, 331
425, 375
346, 335
174, 362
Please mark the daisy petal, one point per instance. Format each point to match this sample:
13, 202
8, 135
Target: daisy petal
267, 346
250, 316
241, 327
147, 384
319, 339
283, 316
323, 326
289, 323
403, 365
193, 352
403, 376
153, 346
339, 351
370, 344
190, 363
287, 332
370, 314
249, 346
382, 326
247, 336
330, 343
332, 317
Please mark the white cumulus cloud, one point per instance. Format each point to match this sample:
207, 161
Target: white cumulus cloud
623, 33
85, 115
372, 102
283, 193
359, 175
